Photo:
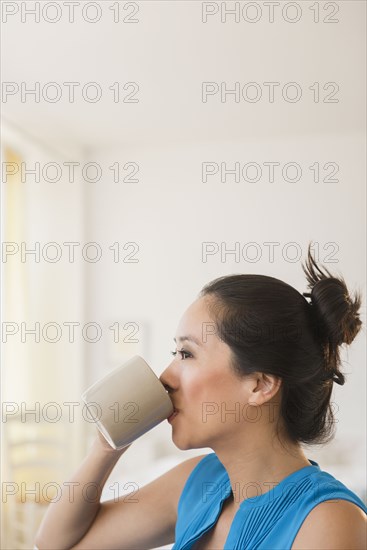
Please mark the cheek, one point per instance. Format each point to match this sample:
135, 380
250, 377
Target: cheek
193, 388
199, 391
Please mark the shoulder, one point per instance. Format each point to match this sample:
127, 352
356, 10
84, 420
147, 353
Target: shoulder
208, 470
185, 470
193, 468
203, 464
201, 482
333, 525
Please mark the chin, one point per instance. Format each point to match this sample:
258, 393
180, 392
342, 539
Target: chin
182, 444
185, 444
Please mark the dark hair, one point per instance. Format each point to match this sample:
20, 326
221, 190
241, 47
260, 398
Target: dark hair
272, 328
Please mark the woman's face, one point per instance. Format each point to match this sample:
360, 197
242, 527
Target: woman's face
211, 400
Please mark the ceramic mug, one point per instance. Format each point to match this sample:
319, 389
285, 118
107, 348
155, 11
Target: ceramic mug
127, 402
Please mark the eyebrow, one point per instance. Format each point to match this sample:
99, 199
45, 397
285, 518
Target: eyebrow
188, 338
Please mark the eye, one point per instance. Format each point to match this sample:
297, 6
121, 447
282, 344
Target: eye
184, 354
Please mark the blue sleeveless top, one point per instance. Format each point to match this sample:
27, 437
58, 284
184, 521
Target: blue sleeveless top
267, 521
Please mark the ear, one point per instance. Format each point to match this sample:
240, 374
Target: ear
264, 387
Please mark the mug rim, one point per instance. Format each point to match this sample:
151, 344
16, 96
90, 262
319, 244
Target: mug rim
114, 371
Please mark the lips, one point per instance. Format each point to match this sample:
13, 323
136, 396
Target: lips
173, 415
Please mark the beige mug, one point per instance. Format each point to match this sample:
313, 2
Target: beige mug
127, 402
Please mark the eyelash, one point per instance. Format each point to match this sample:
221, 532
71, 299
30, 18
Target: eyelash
183, 352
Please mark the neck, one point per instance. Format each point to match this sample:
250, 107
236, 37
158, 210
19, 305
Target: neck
255, 468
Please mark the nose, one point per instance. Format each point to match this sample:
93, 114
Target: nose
167, 378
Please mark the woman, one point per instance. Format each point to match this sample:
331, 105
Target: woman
251, 378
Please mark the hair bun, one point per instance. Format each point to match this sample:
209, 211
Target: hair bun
335, 311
